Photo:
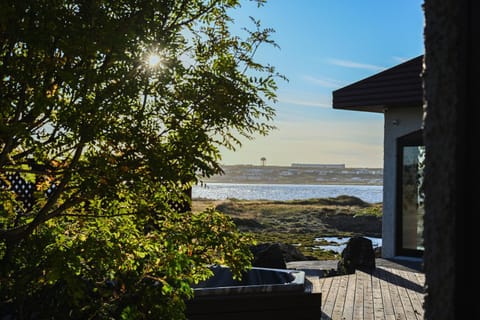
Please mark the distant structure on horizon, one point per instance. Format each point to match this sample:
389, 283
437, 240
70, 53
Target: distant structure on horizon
315, 165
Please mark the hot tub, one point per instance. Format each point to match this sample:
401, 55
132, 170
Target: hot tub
256, 280
262, 293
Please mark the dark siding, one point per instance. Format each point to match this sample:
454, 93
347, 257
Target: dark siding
400, 85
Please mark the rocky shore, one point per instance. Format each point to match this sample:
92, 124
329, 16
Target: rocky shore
298, 223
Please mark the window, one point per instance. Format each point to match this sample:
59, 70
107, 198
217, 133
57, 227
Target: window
410, 196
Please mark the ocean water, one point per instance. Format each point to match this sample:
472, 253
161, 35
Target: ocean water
222, 191
338, 244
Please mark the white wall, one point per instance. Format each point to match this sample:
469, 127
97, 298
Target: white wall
398, 122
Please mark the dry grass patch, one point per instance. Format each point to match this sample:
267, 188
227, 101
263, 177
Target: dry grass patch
299, 222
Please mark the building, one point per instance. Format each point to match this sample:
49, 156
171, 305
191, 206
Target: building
318, 165
449, 108
398, 94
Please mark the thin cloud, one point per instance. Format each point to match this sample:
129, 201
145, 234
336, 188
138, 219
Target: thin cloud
353, 64
307, 103
324, 82
400, 59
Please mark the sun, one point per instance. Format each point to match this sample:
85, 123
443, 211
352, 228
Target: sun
153, 60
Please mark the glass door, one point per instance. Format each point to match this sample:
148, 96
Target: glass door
410, 196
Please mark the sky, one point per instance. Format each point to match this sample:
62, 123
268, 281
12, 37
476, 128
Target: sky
326, 45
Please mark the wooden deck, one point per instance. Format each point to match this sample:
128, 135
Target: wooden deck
387, 293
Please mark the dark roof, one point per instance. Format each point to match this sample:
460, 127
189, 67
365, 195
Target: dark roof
400, 85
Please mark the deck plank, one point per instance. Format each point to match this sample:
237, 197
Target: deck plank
368, 313
326, 284
402, 282
415, 293
340, 300
388, 310
377, 299
349, 298
395, 296
332, 296
315, 283
385, 294
359, 294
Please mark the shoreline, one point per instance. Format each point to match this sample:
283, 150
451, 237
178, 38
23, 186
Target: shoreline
300, 222
283, 192
323, 183
298, 175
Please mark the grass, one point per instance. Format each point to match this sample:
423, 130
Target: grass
299, 222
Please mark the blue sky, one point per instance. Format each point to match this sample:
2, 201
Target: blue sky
325, 45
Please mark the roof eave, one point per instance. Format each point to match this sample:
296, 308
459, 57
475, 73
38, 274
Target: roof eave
399, 86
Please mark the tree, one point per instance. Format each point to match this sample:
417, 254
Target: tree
109, 142
263, 160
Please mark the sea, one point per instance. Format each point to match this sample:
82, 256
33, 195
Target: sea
243, 191
338, 244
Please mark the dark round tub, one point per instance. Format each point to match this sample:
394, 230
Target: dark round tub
262, 293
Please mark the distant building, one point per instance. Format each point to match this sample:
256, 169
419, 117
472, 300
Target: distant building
314, 165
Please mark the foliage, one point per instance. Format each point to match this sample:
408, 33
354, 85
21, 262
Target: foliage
109, 268
373, 210
110, 144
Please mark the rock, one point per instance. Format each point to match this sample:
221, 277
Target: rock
291, 253
268, 255
358, 254
275, 255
